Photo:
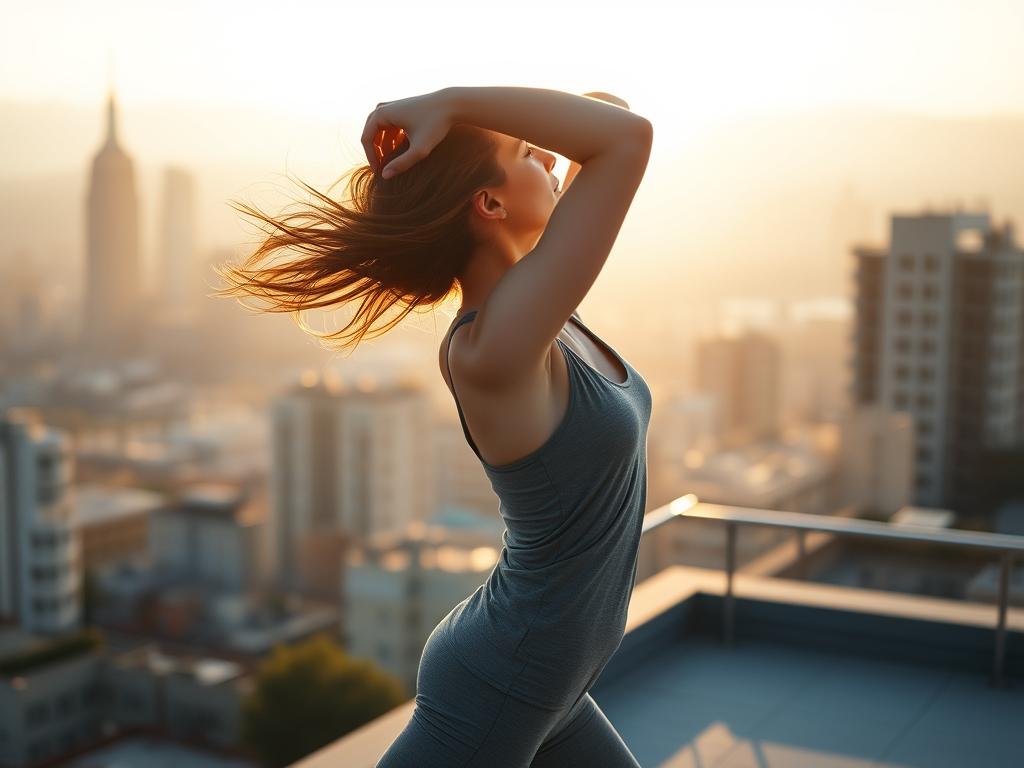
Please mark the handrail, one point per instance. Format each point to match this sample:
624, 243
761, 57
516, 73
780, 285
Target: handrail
689, 506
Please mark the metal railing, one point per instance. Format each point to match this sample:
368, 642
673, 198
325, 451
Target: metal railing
689, 506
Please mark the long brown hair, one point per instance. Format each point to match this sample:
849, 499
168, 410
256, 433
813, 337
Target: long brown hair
404, 240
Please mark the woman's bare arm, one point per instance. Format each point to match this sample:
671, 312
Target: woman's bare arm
531, 303
574, 167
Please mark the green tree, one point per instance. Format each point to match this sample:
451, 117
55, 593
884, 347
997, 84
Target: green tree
308, 695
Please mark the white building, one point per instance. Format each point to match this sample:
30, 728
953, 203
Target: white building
40, 573
346, 458
401, 584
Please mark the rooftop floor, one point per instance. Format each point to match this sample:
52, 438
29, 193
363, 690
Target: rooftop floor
760, 704
819, 676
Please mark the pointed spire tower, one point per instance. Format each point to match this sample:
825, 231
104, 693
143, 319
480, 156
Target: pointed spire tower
111, 106
112, 302
111, 120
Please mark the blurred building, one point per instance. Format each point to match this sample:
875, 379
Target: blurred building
213, 535
876, 459
113, 522
40, 579
685, 422
399, 585
177, 263
112, 304
939, 335
460, 480
797, 475
347, 458
85, 696
743, 371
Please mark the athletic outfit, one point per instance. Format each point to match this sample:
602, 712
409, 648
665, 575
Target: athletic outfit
504, 678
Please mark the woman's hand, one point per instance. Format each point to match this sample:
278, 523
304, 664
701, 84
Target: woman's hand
421, 121
574, 167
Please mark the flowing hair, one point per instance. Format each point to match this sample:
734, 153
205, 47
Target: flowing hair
404, 240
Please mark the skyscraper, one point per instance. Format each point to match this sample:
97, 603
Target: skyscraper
940, 334
113, 287
179, 285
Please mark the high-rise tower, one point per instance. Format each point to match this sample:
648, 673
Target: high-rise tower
112, 300
940, 335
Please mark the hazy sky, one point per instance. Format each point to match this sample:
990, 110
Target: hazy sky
683, 63
287, 86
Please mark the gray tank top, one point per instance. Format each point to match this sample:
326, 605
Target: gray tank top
553, 609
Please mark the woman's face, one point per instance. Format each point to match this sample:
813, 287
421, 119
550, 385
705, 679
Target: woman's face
529, 193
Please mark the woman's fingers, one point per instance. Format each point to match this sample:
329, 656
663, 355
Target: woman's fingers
372, 134
369, 138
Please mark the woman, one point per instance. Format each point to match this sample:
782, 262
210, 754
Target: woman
458, 195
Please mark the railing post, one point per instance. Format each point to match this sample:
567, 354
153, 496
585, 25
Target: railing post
730, 566
801, 554
1004, 592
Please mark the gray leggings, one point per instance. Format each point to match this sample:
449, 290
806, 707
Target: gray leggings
461, 721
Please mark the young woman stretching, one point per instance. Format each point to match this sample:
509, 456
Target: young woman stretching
458, 195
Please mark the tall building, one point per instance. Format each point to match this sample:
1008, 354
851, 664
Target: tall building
113, 285
348, 459
399, 584
743, 372
178, 267
940, 334
40, 579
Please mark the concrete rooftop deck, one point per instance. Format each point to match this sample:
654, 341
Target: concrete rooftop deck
698, 704
819, 676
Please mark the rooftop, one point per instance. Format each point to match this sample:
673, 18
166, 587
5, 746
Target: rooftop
809, 685
815, 675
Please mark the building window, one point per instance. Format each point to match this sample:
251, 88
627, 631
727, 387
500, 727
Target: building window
924, 453
924, 427
902, 344
923, 481
37, 714
928, 319
924, 400
930, 290
907, 262
905, 290
902, 373
925, 373
927, 346
904, 317
66, 703
901, 400
931, 262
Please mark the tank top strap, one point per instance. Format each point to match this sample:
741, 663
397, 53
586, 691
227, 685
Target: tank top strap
462, 419
465, 430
